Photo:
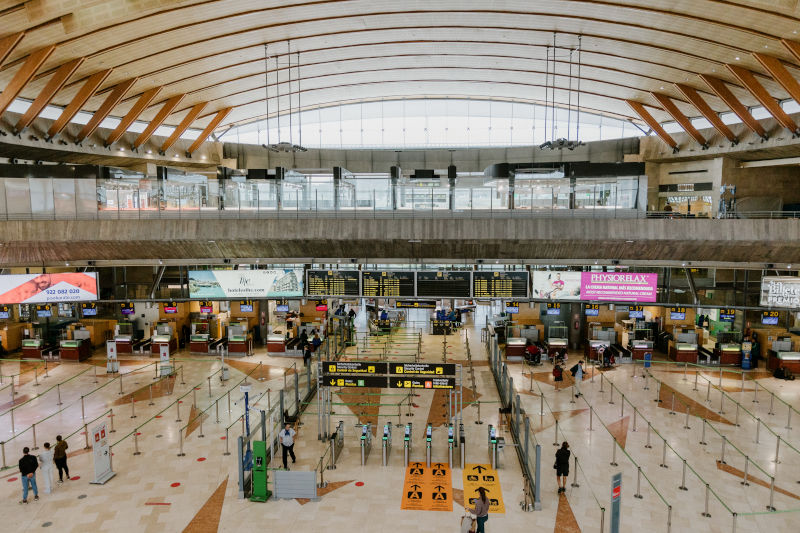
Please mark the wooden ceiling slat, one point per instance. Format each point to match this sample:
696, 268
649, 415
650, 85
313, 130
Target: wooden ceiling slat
116, 95
7, 45
721, 90
766, 99
653, 123
670, 107
793, 47
140, 105
190, 117
709, 114
46, 96
219, 117
780, 74
86, 91
168, 107
23, 76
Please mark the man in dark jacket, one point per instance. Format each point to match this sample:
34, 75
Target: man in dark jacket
27, 469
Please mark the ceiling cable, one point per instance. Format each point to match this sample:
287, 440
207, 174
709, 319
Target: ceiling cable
266, 89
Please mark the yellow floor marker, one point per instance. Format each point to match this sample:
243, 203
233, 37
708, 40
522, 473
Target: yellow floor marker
428, 489
481, 475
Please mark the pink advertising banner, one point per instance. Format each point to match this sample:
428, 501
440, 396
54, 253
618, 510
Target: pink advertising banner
619, 286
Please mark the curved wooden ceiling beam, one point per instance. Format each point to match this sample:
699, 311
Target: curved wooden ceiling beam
23, 76
669, 106
639, 109
187, 121
710, 115
55, 84
141, 104
165, 111
761, 94
105, 108
718, 86
219, 116
8, 43
78, 101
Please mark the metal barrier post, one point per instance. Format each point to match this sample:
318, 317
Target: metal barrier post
622, 407
708, 392
683, 477
12, 421
611, 396
209, 386
789, 420
33, 427
200, 436
555, 435
194, 397
133, 409
182, 382
36, 376
664, 455
722, 455
136, 442
180, 438
229, 400
648, 436
613, 451
685, 365
83, 411
742, 381
777, 450
646, 378
746, 465
178, 410
575, 475
58, 390
86, 436
696, 373
721, 402
602, 518
601, 382
672, 408
216, 407
686, 422
111, 416
758, 428
771, 402
46, 373
150, 387
706, 513
95, 371
638, 494
591, 416
572, 396
703, 436
771, 507
227, 452
3, 449
755, 392
120, 383
635, 412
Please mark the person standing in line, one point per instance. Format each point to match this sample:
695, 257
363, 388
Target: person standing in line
287, 443
27, 470
481, 509
60, 458
577, 373
46, 462
316, 341
562, 466
306, 354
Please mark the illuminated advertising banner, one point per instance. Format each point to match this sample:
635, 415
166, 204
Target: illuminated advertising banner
553, 285
780, 291
48, 288
619, 286
213, 284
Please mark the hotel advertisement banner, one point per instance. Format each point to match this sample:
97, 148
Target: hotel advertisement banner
555, 285
48, 288
211, 284
780, 291
619, 286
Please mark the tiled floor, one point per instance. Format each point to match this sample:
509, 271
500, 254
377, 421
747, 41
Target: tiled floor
160, 491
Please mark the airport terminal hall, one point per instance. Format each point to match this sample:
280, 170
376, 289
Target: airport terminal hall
374, 267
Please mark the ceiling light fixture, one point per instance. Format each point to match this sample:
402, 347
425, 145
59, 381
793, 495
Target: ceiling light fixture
282, 146
561, 143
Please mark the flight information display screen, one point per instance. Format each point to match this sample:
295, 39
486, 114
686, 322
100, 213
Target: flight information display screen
333, 283
500, 284
452, 284
387, 283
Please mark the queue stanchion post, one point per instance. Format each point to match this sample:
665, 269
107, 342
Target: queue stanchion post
758, 429
555, 434
664, 454
789, 419
136, 442
613, 451
33, 428
703, 435
647, 445
227, 452
686, 422
36, 376
150, 388
83, 410
58, 391
771, 506
696, 374
706, 513
638, 494
575, 475
180, 441
111, 416
133, 407
178, 410
746, 465
771, 402
86, 436
683, 477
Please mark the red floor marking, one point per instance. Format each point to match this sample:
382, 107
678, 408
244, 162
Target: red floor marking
74, 478
158, 416
12, 479
359, 483
180, 401
157, 503
138, 433
83, 433
175, 485
222, 438
201, 459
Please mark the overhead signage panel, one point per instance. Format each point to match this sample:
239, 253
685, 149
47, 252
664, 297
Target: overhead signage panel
387, 284
354, 367
780, 291
619, 286
48, 288
635, 311
333, 283
770, 318
418, 382
499, 284
727, 315
356, 381
591, 309
423, 369
210, 284
416, 304
449, 284
553, 285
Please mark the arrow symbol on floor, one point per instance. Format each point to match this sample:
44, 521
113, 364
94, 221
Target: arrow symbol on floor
479, 468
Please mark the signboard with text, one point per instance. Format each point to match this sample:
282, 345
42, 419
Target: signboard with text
423, 369
420, 382
356, 381
619, 286
101, 454
245, 283
48, 288
780, 291
354, 367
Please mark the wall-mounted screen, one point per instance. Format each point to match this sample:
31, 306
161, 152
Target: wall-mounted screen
636, 311
245, 283
556, 285
499, 284
387, 283
43, 311
170, 308
727, 315
553, 309
677, 313
127, 308
89, 309
769, 318
452, 284
333, 282
48, 288
591, 309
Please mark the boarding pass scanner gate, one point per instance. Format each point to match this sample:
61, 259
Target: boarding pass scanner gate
366, 442
428, 444
407, 444
337, 443
495, 444
387, 442
451, 443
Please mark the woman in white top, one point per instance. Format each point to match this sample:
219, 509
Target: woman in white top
46, 462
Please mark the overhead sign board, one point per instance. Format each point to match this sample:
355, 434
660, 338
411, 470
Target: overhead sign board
727, 315
48, 288
423, 369
497, 284
591, 309
635, 311
355, 381
556, 285
419, 382
770, 318
354, 367
245, 283
619, 286
780, 291
387, 283
416, 304
333, 282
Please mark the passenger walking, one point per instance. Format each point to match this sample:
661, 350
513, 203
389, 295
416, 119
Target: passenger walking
577, 373
316, 342
287, 443
306, 355
60, 458
481, 509
46, 462
562, 466
27, 470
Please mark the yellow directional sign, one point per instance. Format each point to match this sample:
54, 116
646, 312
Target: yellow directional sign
428, 489
404, 382
482, 475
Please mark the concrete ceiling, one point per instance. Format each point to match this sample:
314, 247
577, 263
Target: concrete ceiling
212, 51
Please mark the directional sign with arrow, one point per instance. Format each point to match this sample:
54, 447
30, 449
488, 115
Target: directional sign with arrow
355, 381
428, 489
483, 476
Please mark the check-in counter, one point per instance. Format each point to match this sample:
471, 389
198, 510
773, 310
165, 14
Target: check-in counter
76, 349
555, 345
32, 348
591, 348
240, 344
790, 360
124, 343
641, 347
515, 348
384, 326
276, 344
729, 354
157, 341
198, 343
683, 352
